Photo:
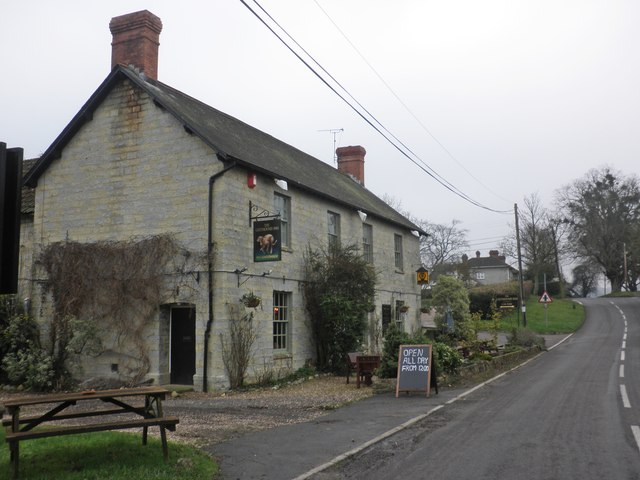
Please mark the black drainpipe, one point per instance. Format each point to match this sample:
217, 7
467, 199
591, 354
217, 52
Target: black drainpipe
207, 332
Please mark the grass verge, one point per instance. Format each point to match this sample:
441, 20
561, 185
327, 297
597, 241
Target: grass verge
561, 316
112, 455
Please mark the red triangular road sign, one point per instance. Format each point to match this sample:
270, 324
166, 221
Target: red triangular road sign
545, 298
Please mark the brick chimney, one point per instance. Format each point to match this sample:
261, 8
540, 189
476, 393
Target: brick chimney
136, 38
351, 162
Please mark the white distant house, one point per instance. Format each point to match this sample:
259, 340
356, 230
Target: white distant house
489, 270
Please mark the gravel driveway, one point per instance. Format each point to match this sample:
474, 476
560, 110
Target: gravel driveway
206, 419
209, 418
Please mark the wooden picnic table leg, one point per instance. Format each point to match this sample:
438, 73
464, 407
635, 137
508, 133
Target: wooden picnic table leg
165, 448
14, 446
14, 455
163, 431
146, 413
153, 406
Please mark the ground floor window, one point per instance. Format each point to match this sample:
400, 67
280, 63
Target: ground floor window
281, 320
400, 309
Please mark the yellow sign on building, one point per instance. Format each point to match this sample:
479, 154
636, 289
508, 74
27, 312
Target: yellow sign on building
422, 275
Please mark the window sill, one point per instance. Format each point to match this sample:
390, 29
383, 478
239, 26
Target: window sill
282, 356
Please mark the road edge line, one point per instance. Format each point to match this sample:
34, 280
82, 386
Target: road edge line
414, 420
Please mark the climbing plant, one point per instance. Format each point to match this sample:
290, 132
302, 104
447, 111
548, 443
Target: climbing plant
116, 285
339, 291
237, 343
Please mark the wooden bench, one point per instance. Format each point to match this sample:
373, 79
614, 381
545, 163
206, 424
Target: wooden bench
167, 422
144, 417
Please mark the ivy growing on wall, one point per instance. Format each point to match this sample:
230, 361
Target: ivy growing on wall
339, 291
117, 285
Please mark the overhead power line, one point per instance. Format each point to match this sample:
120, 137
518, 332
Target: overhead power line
369, 117
404, 105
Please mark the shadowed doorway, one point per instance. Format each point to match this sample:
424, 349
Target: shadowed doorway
183, 345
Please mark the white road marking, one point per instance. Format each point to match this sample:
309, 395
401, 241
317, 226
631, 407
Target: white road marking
636, 434
622, 356
621, 371
625, 397
410, 422
624, 337
624, 344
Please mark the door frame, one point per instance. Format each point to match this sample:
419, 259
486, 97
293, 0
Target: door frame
192, 318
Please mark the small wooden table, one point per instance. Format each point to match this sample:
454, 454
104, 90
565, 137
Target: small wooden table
147, 415
364, 366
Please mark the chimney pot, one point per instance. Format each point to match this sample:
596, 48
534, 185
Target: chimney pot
351, 162
136, 38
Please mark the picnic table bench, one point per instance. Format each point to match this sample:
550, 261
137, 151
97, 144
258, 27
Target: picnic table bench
363, 365
148, 415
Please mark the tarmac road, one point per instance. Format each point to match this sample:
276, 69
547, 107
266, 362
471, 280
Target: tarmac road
571, 413
304, 449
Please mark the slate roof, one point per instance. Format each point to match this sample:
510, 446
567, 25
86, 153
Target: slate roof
489, 262
234, 140
28, 193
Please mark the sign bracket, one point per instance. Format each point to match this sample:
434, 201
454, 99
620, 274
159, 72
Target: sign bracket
256, 212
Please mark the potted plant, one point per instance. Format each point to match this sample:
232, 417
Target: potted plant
250, 300
404, 308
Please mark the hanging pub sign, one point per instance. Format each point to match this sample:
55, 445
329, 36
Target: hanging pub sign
266, 241
422, 276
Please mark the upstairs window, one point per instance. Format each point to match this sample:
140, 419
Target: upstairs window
333, 229
397, 247
367, 242
282, 207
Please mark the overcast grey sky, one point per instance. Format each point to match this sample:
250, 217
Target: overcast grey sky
501, 98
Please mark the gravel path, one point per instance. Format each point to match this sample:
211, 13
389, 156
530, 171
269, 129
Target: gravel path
209, 418
213, 418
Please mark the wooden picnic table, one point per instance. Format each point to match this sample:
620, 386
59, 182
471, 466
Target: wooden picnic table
121, 410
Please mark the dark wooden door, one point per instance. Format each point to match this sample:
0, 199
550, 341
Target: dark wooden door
183, 345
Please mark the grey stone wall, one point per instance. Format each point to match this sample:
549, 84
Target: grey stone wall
133, 172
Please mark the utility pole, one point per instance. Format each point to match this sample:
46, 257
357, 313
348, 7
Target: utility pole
522, 305
624, 281
554, 234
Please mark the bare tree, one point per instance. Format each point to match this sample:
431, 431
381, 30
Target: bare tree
585, 280
632, 260
445, 243
536, 239
558, 230
442, 249
602, 211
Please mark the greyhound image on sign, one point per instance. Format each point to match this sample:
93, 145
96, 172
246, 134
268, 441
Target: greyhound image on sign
266, 241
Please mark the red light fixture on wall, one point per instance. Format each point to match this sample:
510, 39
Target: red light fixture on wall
252, 179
